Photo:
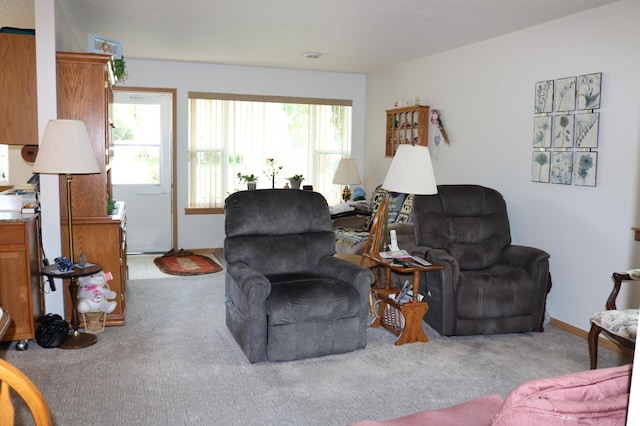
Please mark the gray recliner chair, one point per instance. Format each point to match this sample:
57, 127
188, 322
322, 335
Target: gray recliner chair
488, 285
287, 296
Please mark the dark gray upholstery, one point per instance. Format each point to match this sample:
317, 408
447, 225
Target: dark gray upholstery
287, 296
488, 286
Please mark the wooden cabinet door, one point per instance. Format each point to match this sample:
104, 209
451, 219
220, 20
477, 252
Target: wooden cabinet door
100, 241
83, 94
19, 281
18, 89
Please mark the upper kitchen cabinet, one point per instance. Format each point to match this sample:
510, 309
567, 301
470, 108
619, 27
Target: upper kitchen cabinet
18, 95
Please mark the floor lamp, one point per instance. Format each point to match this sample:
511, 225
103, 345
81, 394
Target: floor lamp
66, 149
346, 174
411, 172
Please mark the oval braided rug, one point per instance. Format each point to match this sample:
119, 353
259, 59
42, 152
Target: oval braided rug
186, 263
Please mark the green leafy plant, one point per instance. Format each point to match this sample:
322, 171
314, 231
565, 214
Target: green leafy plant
298, 178
111, 205
120, 69
247, 178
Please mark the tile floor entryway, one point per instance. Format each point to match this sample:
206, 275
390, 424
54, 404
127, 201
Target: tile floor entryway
141, 267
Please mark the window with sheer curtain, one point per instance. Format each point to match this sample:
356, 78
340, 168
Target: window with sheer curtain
239, 134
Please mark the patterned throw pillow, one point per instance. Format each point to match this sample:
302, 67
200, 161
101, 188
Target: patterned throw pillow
405, 216
395, 205
376, 199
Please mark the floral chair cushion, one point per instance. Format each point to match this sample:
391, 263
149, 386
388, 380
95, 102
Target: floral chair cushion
623, 323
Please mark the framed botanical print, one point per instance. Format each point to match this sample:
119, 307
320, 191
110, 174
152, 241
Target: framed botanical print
586, 132
589, 91
563, 131
542, 132
561, 167
585, 167
565, 94
540, 166
543, 97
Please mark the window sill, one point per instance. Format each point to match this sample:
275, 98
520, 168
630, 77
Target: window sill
204, 210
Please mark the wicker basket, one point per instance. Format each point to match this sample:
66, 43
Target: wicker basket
94, 321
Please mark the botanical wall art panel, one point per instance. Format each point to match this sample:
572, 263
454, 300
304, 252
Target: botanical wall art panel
584, 169
566, 94
542, 132
589, 91
563, 131
587, 126
540, 166
561, 167
544, 97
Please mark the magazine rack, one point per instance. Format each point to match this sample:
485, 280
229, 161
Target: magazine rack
402, 319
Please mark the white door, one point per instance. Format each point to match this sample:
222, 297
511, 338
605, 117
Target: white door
142, 167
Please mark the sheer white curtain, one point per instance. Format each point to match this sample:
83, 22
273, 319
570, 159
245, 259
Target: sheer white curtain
231, 136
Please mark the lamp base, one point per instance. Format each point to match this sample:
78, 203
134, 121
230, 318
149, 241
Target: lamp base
78, 340
346, 194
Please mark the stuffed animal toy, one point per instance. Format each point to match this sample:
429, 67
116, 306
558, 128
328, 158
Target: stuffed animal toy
93, 294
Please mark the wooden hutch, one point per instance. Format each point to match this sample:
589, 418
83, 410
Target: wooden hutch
85, 93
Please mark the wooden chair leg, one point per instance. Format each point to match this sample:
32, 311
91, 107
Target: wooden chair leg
593, 345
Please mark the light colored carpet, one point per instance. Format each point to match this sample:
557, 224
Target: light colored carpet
175, 363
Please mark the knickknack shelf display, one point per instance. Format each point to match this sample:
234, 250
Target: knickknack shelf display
406, 125
565, 130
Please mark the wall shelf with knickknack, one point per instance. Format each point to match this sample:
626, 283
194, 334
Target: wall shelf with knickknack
406, 125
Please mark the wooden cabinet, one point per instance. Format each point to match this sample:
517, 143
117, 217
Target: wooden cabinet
18, 99
406, 125
20, 279
103, 241
85, 93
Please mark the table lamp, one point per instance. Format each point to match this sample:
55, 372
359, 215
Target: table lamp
346, 174
66, 149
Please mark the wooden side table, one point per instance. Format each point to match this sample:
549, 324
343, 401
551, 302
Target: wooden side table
76, 340
402, 319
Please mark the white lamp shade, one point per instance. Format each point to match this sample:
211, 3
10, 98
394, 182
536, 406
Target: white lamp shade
347, 173
411, 171
66, 149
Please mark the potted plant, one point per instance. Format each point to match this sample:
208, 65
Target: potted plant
120, 70
251, 180
295, 181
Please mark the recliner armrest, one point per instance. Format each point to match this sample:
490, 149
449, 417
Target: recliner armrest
523, 256
358, 276
248, 279
440, 256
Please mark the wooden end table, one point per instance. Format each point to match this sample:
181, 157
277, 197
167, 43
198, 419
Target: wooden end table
75, 340
402, 319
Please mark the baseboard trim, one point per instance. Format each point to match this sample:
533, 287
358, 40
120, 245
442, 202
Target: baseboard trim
602, 341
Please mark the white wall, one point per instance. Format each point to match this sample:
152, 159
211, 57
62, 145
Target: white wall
207, 231
47, 110
485, 95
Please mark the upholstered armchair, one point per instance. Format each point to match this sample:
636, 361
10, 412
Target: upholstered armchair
488, 285
287, 296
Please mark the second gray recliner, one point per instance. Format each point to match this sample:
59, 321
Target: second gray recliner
488, 285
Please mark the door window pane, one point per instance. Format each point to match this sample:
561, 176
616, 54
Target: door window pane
136, 144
